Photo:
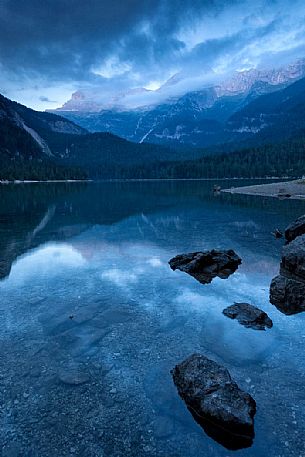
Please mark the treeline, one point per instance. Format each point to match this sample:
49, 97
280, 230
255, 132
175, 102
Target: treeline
35, 170
284, 159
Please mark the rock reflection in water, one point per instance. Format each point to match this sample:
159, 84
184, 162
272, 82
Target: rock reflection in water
227, 439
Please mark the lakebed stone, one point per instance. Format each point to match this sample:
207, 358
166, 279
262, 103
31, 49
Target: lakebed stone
249, 316
224, 411
206, 265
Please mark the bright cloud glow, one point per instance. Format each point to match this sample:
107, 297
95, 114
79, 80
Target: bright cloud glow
48, 259
112, 67
153, 85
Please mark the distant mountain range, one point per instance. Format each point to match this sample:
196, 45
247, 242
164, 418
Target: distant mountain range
35, 144
251, 110
212, 116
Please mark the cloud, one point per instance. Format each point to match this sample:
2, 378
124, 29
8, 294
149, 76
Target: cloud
113, 46
43, 98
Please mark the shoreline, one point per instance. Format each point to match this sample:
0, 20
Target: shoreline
292, 190
28, 181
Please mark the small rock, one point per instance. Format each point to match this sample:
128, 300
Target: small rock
205, 266
249, 316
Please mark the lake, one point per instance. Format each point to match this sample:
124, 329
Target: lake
92, 319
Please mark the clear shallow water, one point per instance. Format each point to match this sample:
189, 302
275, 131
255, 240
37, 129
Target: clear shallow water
98, 253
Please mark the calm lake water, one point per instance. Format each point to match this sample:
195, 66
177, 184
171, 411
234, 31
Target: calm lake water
92, 319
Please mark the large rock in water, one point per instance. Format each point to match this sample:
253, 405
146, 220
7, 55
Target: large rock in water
287, 290
205, 266
296, 228
288, 295
293, 259
216, 402
249, 316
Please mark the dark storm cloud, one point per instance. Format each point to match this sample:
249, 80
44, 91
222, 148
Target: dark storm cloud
57, 46
62, 36
67, 37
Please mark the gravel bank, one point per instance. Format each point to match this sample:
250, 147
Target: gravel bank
289, 189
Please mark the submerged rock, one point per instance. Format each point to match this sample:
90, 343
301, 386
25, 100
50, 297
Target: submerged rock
249, 316
277, 234
288, 295
296, 228
217, 403
287, 290
205, 266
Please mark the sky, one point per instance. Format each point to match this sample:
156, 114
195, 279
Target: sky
52, 48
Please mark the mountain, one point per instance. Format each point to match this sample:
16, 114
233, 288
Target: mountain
199, 118
35, 128
25, 138
87, 100
273, 115
37, 145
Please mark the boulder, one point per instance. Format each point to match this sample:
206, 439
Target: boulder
287, 290
293, 259
295, 229
216, 402
288, 295
249, 316
205, 266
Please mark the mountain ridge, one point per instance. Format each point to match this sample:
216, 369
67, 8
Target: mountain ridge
240, 82
200, 119
34, 143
